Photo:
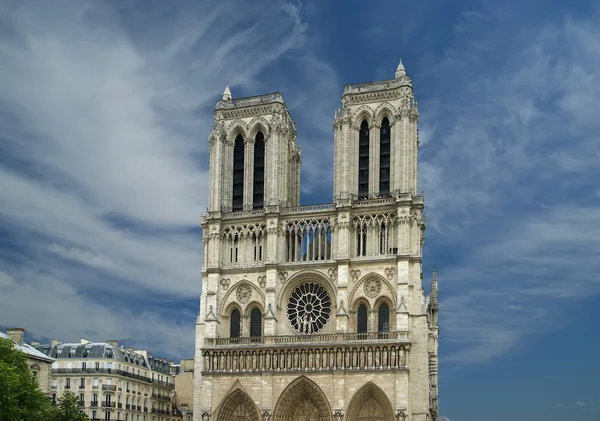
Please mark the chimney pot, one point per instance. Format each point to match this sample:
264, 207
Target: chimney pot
16, 334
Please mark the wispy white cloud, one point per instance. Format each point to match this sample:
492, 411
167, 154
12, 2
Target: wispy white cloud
507, 139
105, 112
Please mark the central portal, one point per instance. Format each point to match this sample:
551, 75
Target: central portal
302, 400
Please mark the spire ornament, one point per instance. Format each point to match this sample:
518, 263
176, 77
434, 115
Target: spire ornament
227, 94
400, 70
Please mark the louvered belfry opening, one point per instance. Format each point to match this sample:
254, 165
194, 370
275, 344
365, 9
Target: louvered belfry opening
258, 196
384, 157
363, 160
238, 174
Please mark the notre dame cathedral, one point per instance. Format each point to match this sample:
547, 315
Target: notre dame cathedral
316, 312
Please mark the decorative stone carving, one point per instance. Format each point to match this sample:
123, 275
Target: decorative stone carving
225, 283
282, 277
390, 272
372, 287
401, 415
341, 309
244, 293
262, 281
402, 306
338, 415
354, 275
205, 416
332, 273
266, 416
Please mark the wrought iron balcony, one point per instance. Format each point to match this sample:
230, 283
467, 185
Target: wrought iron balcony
108, 405
94, 404
109, 387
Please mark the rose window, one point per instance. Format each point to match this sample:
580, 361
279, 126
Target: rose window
309, 308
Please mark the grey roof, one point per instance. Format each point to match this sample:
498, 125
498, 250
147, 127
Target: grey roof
103, 350
28, 349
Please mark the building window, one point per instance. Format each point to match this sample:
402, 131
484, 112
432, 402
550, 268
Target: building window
383, 320
94, 415
363, 160
384, 157
67, 383
238, 174
82, 383
258, 196
235, 323
255, 322
361, 319
81, 399
361, 240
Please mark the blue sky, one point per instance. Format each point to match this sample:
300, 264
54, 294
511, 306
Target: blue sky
105, 111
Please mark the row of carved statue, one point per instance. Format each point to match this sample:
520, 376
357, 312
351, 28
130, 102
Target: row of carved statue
348, 358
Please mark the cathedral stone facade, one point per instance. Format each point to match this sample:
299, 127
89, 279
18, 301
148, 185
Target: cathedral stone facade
316, 312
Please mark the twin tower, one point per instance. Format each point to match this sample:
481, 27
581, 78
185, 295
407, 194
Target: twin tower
316, 313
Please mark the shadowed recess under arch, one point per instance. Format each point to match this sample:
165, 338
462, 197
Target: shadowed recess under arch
238, 406
370, 403
302, 399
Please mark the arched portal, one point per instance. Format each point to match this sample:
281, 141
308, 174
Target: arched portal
238, 406
302, 400
370, 403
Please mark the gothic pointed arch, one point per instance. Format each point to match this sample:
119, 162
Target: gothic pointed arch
384, 156
236, 296
258, 124
365, 113
363, 159
237, 406
235, 128
385, 110
370, 403
258, 192
383, 291
302, 399
238, 173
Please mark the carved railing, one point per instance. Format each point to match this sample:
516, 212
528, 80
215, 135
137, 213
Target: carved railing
342, 357
308, 209
249, 101
317, 339
377, 86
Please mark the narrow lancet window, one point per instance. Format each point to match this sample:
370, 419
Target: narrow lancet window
238, 174
255, 322
361, 319
383, 321
363, 160
258, 196
234, 324
384, 158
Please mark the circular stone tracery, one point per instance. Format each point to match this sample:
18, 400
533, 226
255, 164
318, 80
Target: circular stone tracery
244, 293
309, 308
372, 287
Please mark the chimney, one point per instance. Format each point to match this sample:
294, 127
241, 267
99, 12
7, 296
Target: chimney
84, 341
113, 343
34, 343
56, 342
16, 334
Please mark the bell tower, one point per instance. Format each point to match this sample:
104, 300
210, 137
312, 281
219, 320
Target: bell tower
254, 160
376, 139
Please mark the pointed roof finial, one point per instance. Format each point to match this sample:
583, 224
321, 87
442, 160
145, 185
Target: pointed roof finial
400, 70
227, 94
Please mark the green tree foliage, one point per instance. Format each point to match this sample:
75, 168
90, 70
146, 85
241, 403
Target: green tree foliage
20, 397
67, 408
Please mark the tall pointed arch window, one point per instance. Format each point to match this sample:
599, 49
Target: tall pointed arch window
234, 324
238, 174
258, 196
361, 319
363, 160
255, 323
384, 157
383, 319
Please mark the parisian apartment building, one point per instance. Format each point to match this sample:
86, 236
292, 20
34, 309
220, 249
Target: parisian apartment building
112, 382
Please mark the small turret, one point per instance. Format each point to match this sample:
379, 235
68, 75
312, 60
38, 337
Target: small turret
400, 70
433, 304
227, 94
